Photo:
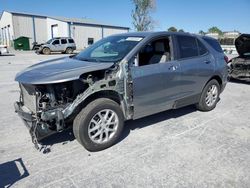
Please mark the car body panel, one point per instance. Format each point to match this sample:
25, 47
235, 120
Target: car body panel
58, 70
239, 67
155, 87
242, 44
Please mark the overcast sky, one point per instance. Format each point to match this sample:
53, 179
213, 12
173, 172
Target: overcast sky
190, 15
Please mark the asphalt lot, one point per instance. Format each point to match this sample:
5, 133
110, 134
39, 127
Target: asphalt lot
177, 148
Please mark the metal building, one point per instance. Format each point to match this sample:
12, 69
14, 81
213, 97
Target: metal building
40, 28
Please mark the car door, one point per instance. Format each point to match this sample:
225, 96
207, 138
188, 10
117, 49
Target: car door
196, 64
155, 87
64, 45
55, 45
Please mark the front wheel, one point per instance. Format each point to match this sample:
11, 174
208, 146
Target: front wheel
46, 51
99, 125
209, 96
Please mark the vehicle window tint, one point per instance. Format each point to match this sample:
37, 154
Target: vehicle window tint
56, 42
187, 46
63, 41
71, 41
202, 48
214, 44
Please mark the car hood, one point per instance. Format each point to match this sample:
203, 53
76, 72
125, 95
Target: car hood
242, 44
58, 70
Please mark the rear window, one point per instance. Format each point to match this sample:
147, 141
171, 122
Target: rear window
202, 48
187, 46
214, 44
71, 41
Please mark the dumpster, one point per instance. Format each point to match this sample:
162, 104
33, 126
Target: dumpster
22, 43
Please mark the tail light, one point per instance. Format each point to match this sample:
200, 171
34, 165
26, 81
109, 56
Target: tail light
226, 59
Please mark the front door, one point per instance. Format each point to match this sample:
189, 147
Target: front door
155, 79
55, 45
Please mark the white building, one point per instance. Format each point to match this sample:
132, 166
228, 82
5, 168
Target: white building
41, 28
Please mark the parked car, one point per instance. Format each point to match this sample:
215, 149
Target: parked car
60, 44
240, 65
121, 77
3, 49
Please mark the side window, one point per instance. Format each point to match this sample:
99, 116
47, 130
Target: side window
202, 48
71, 41
187, 46
56, 42
90, 41
63, 41
154, 52
214, 44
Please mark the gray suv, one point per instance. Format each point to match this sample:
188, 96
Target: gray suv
121, 77
60, 44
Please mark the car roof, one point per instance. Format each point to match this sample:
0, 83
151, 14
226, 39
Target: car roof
154, 34
62, 38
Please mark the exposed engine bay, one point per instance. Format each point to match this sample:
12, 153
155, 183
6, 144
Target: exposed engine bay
239, 67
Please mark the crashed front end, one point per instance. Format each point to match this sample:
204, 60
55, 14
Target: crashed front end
240, 68
41, 107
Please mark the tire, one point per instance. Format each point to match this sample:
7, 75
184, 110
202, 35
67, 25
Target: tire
209, 97
69, 51
46, 51
89, 119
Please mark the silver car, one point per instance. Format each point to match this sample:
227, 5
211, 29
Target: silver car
61, 44
3, 50
121, 77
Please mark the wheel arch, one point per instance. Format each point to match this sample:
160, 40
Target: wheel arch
110, 94
217, 78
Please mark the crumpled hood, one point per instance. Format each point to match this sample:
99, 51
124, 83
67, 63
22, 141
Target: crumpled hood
58, 70
242, 44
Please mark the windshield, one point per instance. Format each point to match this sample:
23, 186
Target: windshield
110, 49
49, 41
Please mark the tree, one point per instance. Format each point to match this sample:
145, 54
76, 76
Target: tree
215, 30
202, 32
142, 20
181, 30
172, 29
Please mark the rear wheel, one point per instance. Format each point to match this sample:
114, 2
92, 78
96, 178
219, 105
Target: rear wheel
99, 125
209, 96
46, 51
69, 51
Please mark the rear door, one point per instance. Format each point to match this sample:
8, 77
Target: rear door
197, 65
64, 45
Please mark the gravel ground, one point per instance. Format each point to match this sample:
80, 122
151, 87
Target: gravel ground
177, 148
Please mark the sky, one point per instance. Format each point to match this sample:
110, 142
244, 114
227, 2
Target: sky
190, 15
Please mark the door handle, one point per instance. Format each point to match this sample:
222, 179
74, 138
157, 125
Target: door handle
207, 62
172, 67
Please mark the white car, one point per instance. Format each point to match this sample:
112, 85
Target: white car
3, 49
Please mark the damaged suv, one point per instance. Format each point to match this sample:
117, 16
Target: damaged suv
121, 77
240, 66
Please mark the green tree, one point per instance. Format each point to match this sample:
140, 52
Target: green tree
181, 30
142, 20
201, 32
215, 30
172, 29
